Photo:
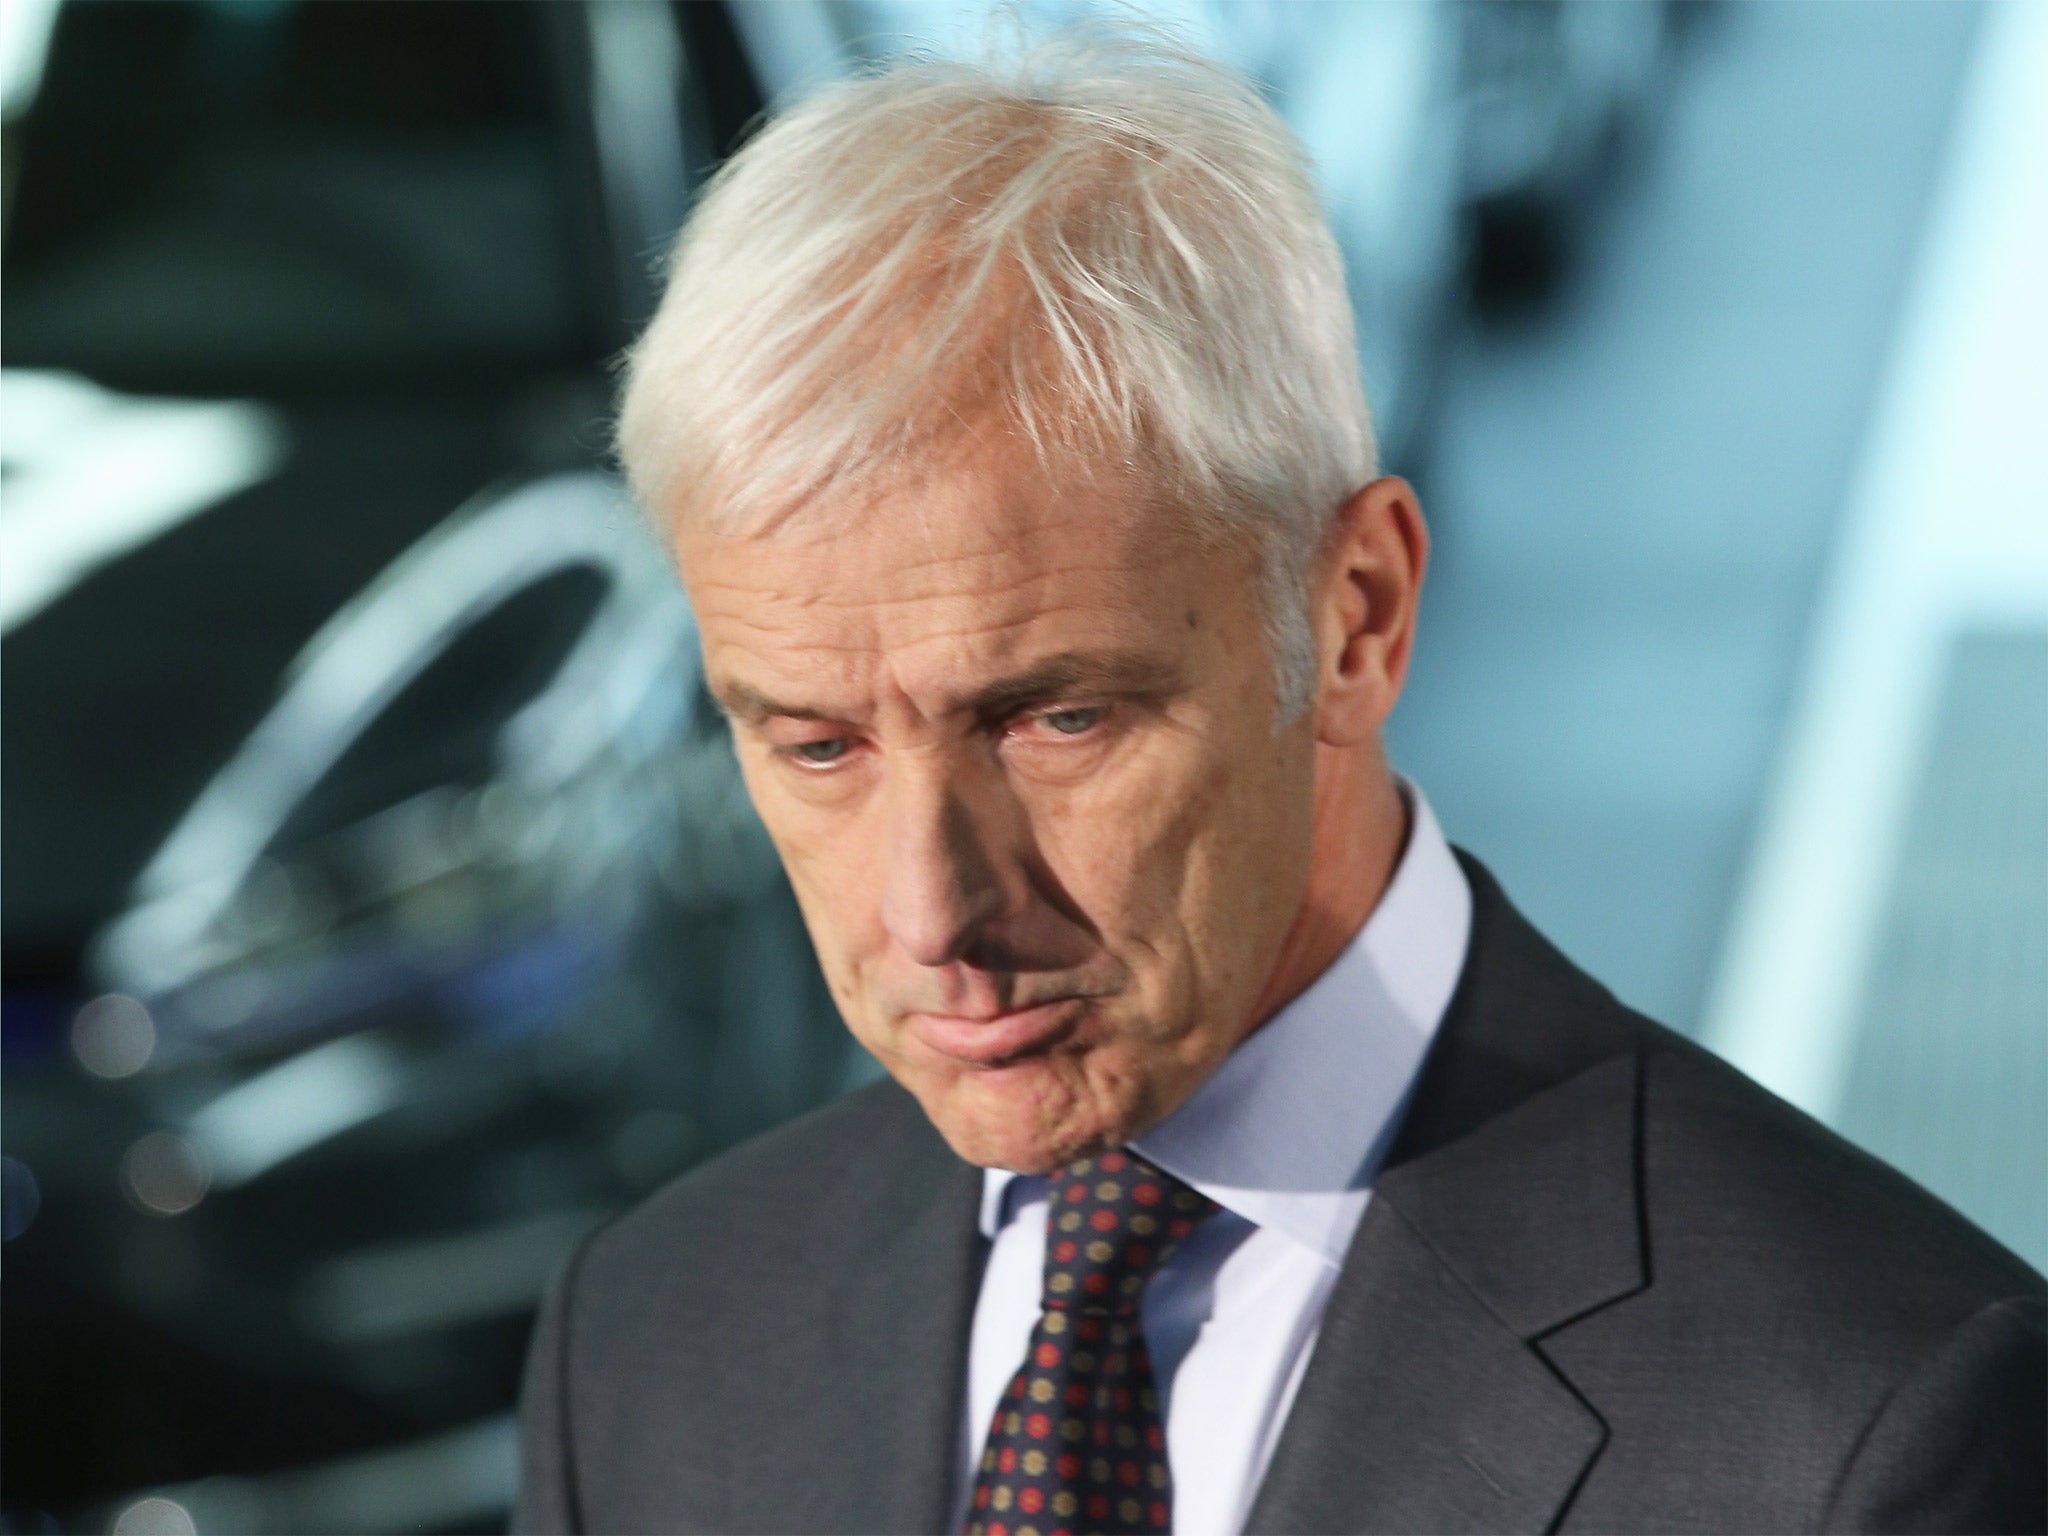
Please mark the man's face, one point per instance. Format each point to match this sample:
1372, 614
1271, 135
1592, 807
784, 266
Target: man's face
1016, 748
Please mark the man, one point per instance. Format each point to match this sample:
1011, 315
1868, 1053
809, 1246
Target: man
1246, 1162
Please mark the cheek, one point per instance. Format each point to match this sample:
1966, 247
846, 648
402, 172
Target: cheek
1137, 848
832, 873
1191, 862
1117, 844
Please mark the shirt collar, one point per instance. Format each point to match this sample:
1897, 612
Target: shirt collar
1290, 1130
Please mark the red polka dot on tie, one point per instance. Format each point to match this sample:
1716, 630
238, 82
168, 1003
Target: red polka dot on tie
1112, 1162
1104, 1220
1158, 1513
1068, 1466
1047, 1354
1030, 1500
1127, 1473
1098, 1507
1038, 1426
1146, 1194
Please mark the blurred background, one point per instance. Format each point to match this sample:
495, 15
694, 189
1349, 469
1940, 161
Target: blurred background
380, 905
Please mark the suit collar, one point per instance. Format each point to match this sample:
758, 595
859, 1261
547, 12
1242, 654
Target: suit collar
1517, 1161
1507, 1209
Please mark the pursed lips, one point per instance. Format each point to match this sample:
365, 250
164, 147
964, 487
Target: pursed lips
995, 1039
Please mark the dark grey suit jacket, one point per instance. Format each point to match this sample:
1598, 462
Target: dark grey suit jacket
1604, 1284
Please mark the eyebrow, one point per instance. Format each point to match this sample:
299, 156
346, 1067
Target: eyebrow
1130, 673
740, 701
1134, 674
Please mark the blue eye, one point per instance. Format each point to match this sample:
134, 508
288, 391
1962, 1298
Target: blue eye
1072, 722
820, 753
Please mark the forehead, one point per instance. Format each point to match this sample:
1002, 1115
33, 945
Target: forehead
934, 589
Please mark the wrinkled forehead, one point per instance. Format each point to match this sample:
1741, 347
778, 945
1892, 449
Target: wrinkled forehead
942, 583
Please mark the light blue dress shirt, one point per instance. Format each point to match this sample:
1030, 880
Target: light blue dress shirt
1286, 1137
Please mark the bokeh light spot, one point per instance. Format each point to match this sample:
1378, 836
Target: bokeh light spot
113, 1036
165, 1174
155, 1516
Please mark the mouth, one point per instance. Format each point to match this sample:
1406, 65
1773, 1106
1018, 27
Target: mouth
1002, 1038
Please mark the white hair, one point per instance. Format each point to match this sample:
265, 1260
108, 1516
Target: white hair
1110, 246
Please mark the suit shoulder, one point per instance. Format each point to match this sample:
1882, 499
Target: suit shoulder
1759, 1194
798, 1194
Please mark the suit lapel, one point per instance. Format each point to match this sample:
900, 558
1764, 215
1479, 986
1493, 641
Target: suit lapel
878, 1420
1507, 1210
1420, 1411
919, 1379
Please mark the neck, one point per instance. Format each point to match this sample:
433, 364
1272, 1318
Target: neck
1360, 830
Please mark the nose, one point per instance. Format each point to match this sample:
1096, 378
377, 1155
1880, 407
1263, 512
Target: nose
944, 884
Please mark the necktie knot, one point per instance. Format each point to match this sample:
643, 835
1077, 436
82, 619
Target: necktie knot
1112, 1220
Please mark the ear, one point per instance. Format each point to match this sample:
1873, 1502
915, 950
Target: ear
1362, 599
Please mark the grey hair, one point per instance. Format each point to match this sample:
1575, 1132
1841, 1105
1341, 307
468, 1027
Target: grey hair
1110, 245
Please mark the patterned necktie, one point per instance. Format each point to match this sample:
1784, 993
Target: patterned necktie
1077, 1444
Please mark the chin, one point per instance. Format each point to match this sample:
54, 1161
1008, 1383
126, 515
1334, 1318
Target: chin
1031, 1117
